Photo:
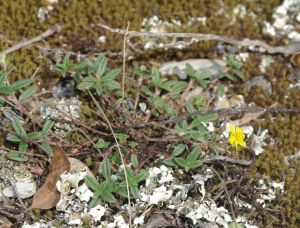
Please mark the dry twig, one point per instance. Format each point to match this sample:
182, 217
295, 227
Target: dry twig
55, 28
287, 50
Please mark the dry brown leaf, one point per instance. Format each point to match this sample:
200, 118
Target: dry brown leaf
247, 117
78, 166
48, 196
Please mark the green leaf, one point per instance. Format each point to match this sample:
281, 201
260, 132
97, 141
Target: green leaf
193, 155
1, 159
146, 90
180, 161
47, 147
106, 169
238, 73
111, 74
170, 161
193, 164
18, 127
22, 146
6, 90
196, 122
122, 192
215, 149
27, 93
14, 138
189, 69
134, 161
107, 196
85, 85
21, 83
134, 191
3, 75
98, 87
90, 79
190, 108
48, 125
208, 118
94, 202
221, 89
129, 172
178, 150
37, 135
100, 189
112, 85
16, 156
92, 183
140, 176
101, 64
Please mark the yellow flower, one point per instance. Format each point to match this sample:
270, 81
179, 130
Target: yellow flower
236, 137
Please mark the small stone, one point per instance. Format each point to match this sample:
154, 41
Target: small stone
25, 190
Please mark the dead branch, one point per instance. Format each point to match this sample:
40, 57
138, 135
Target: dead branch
287, 50
215, 159
55, 28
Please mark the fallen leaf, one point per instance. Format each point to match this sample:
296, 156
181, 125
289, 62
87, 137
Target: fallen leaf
247, 117
77, 166
48, 196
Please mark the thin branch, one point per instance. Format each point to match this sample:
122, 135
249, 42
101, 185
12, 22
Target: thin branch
124, 54
287, 50
214, 159
225, 111
15, 190
54, 29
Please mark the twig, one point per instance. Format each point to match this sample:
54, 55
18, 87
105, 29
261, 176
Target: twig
123, 81
225, 111
226, 159
15, 190
287, 50
55, 28
120, 153
227, 195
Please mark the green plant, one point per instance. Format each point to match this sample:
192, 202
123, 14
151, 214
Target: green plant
22, 137
102, 144
156, 101
103, 190
65, 66
187, 163
133, 180
95, 78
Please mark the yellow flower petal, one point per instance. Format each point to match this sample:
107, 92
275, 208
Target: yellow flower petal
231, 128
239, 130
232, 139
243, 144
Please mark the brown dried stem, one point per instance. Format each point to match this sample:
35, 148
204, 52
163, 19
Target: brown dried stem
287, 50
